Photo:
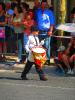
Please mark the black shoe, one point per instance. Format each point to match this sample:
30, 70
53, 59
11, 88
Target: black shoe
22, 61
24, 78
43, 79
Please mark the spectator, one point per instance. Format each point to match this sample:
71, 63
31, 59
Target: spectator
28, 22
25, 8
45, 22
71, 53
17, 23
2, 27
62, 60
36, 6
73, 19
7, 6
66, 57
73, 15
10, 32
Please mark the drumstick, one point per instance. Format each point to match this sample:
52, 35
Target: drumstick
68, 37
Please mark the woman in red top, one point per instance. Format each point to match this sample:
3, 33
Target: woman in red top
63, 59
67, 56
28, 22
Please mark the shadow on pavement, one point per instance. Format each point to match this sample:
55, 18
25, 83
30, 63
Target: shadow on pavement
10, 78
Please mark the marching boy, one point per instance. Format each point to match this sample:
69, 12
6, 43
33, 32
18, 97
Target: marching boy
33, 40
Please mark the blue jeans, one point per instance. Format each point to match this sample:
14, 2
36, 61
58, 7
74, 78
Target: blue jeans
43, 35
25, 42
20, 49
25, 39
47, 44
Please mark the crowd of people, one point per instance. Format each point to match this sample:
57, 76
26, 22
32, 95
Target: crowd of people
18, 20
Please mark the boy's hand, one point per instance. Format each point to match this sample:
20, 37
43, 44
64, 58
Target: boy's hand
42, 42
49, 33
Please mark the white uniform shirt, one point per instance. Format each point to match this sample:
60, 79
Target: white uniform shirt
30, 44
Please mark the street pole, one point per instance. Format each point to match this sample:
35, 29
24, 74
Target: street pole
60, 13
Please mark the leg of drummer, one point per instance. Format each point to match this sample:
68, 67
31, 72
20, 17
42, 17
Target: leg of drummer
41, 73
26, 70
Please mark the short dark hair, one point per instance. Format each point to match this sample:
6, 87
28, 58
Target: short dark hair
73, 11
34, 28
44, 1
19, 8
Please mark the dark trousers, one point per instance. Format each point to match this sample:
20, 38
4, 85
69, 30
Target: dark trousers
28, 67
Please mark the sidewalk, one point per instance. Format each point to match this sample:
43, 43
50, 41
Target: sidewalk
11, 65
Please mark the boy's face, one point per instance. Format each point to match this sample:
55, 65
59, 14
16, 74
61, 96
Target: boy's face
35, 32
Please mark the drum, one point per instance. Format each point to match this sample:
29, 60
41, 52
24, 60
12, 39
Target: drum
39, 55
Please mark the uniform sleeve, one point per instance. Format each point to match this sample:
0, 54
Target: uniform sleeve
29, 44
26, 46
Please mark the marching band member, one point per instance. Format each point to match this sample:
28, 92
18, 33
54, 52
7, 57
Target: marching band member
33, 40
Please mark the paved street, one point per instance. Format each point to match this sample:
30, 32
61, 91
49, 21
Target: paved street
58, 86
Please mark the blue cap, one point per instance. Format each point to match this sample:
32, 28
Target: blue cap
10, 12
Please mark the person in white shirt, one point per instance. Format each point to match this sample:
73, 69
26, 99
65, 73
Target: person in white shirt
33, 40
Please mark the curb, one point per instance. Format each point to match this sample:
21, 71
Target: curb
8, 71
11, 67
